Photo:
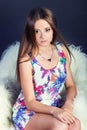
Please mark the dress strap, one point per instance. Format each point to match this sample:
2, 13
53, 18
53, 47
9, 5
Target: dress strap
60, 50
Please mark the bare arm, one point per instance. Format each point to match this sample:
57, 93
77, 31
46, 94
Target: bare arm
69, 83
25, 70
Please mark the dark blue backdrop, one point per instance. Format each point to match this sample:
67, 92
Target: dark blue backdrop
71, 16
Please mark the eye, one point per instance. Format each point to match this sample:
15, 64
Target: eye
36, 31
47, 29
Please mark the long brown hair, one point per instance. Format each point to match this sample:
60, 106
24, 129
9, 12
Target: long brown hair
28, 42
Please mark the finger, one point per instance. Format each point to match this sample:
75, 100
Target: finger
68, 117
67, 120
64, 119
71, 118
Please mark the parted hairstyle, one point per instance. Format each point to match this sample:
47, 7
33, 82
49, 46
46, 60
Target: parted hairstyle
28, 43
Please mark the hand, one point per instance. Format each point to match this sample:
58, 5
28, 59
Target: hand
63, 115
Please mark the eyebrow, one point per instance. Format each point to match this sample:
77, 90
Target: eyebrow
44, 27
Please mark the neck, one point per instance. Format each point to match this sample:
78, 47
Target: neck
45, 49
46, 53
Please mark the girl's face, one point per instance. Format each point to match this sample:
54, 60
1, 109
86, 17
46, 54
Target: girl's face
43, 32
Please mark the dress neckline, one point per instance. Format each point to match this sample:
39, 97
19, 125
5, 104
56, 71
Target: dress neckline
52, 68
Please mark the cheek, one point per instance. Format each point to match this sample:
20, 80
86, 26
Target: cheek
37, 37
51, 36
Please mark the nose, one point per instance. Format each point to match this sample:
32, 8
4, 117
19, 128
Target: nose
42, 34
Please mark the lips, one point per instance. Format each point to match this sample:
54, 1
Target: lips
43, 41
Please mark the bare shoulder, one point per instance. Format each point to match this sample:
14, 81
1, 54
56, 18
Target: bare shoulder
25, 61
25, 58
64, 50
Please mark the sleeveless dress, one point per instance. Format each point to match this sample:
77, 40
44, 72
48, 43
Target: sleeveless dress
47, 85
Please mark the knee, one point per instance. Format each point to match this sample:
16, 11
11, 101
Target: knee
58, 125
77, 122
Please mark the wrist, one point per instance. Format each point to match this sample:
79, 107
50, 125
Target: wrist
69, 101
68, 104
53, 111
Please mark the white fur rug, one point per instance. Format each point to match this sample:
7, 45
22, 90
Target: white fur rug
9, 88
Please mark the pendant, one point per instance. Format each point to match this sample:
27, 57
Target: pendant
49, 59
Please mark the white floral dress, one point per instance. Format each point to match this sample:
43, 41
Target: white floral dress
47, 84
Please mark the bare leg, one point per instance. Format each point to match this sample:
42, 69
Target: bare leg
45, 122
75, 126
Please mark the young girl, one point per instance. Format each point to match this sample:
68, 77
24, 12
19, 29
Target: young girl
43, 68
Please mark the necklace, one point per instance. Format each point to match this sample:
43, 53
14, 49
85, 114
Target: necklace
49, 59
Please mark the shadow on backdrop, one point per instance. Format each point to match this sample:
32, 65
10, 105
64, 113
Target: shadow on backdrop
71, 16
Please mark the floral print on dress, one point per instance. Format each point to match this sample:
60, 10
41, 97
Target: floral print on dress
47, 85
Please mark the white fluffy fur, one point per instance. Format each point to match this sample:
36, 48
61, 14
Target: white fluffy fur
8, 72
8, 62
5, 109
79, 71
